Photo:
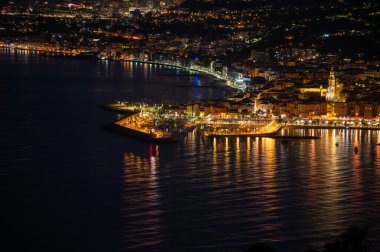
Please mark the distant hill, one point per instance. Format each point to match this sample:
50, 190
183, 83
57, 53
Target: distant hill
252, 4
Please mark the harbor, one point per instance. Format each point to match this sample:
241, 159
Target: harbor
111, 174
171, 122
157, 123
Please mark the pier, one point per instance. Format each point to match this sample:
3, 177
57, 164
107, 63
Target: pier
270, 129
140, 128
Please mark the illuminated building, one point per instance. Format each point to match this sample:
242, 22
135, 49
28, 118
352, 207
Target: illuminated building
334, 88
308, 90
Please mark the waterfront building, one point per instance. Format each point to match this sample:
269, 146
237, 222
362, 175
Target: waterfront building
368, 111
336, 109
364, 109
311, 109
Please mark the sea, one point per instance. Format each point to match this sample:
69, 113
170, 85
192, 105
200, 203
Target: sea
66, 184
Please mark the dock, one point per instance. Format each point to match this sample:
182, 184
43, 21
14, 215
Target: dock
272, 135
138, 134
268, 130
136, 127
294, 137
120, 108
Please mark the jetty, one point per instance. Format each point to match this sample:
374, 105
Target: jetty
140, 128
122, 107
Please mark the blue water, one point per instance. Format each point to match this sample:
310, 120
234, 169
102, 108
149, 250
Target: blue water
68, 185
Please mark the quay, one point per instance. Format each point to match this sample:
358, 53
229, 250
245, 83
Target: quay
274, 136
240, 135
268, 130
294, 137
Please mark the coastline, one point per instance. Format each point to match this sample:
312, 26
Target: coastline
216, 82
215, 79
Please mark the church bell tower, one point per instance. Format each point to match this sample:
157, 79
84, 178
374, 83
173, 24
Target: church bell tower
331, 89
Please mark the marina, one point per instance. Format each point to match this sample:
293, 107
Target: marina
170, 123
159, 123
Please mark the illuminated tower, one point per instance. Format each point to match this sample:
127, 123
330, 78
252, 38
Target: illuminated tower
331, 89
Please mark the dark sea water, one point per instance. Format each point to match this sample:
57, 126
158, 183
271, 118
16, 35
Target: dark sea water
68, 185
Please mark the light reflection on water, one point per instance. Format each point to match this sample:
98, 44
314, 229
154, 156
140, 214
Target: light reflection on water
68, 184
225, 193
144, 217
